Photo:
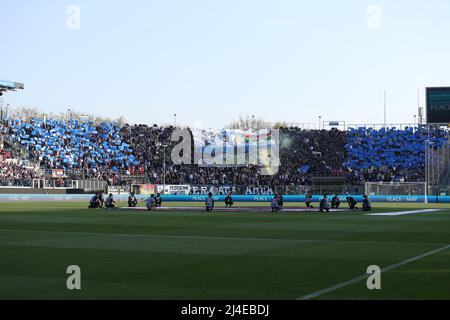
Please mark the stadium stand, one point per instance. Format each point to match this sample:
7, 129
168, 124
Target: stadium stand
397, 155
318, 151
12, 172
302, 152
388, 154
147, 143
108, 152
60, 144
16, 175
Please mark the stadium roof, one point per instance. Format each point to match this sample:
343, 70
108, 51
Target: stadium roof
10, 86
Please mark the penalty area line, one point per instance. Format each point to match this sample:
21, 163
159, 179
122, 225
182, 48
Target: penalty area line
365, 276
401, 213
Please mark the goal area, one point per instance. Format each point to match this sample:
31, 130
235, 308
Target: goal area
396, 188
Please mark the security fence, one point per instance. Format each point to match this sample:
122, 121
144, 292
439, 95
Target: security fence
146, 189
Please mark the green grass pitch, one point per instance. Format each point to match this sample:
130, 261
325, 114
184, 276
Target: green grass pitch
199, 255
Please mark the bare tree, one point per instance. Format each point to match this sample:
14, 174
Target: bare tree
24, 113
247, 122
28, 113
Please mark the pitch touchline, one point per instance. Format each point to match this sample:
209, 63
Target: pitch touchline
401, 213
365, 276
215, 238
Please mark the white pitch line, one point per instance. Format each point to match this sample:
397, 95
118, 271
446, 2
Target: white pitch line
163, 236
170, 236
365, 276
401, 213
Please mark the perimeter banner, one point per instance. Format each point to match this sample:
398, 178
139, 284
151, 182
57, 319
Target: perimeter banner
118, 189
221, 190
173, 189
225, 189
146, 189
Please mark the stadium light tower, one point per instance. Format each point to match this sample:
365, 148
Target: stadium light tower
426, 170
385, 108
6, 86
428, 143
164, 166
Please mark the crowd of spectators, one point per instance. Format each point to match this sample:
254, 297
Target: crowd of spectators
93, 150
389, 154
360, 155
15, 175
302, 153
312, 151
12, 172
59, 144
149, 144
107, 152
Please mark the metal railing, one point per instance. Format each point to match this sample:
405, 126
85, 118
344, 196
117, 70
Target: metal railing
378, 126
88, 173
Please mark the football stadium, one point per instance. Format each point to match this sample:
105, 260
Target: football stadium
98, 208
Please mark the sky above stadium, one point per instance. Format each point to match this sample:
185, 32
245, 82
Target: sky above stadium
211, 60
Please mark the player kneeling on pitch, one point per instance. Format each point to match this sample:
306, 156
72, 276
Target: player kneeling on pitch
209, 202
308, 200
95, 202
335, 202
275, 204
101, 199
150, 203
352, 203
367, 206
280, 200
325, 204
158, 201
229, 200
132, 201
109, 202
